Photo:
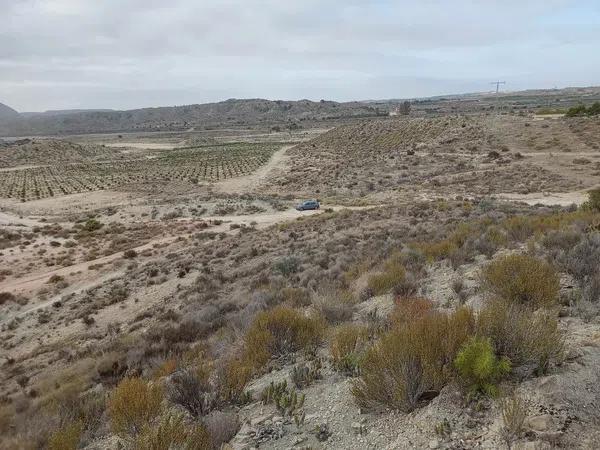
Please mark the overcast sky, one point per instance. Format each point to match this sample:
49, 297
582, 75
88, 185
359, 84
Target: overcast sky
122, 54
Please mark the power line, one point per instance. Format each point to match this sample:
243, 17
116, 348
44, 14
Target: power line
498, 83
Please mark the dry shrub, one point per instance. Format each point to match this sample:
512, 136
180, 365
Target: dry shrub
530, 339
435, 251
279, 332
221, 427
334, 305
132, 405
171, 432
518, 228
384, 282
408, 310
66, 437
514, 413
165, 369
297, 297
581, 260
411, 360
521, 279
347, 347
191, 389
235, 373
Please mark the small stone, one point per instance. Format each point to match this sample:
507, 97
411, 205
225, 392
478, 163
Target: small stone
434, 443
543, 422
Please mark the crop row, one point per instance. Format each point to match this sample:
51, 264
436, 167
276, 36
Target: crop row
192, 165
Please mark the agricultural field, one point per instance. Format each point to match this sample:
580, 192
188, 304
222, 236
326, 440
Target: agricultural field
190, 164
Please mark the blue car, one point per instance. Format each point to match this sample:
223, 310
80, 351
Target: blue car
307, 205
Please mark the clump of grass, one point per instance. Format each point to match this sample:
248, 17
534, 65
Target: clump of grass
393, 274
521, 279
172, 432
347, 348
514, 413
66, 437
479, 368
132, 405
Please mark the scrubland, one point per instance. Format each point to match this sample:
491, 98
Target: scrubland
428, 313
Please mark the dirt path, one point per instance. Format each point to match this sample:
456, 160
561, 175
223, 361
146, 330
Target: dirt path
36, 281
253, 181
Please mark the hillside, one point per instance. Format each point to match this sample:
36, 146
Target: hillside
232, 112
7, 113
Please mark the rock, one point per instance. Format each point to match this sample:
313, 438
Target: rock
540, 423
358, 428
434, 443
260, 419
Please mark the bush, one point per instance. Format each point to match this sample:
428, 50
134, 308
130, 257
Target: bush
129, 254
521, 279
335, 306
582, 260
132, 405
531, 340
279, 332
234, 375
479, 368
593, 201
392, 275
92, 225
412, 360
172, 433
191, 390
66, 438
347, 348
287, 266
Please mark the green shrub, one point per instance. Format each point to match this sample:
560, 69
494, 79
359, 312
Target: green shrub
521, 279
132, 405
92, 225
412, 359
287, 266
479, 368
172, 433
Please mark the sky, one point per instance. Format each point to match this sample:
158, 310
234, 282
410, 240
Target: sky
125, 54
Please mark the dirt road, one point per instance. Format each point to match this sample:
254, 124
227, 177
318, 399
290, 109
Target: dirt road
255, 180
33, 282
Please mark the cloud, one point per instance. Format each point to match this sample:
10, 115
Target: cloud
133, 53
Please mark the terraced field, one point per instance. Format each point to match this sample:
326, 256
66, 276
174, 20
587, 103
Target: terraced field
191, 164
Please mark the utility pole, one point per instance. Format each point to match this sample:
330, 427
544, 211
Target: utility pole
498, 83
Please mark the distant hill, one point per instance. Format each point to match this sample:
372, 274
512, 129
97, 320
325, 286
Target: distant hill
62, 112
231, 112
7, 113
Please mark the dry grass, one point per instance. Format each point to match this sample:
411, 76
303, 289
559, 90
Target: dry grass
347, 346
171, 432
393, 274
132, 405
